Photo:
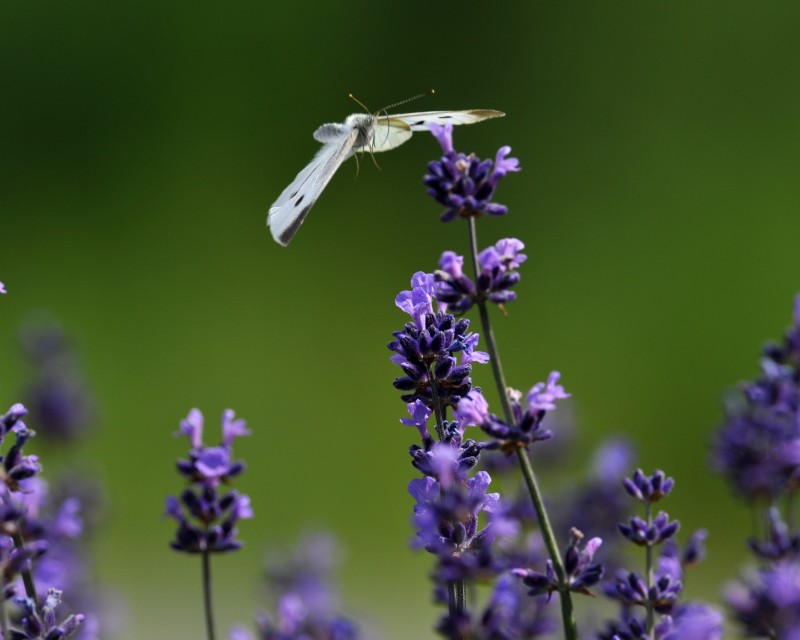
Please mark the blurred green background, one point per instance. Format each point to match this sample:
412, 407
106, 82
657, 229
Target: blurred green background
142, 144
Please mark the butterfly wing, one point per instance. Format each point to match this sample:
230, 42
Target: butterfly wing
420, 121
386, 132
292, 206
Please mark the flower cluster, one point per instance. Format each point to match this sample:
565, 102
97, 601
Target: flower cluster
658, 590
57, 396
527, 426
449, 502
307, 606
37, 626
434, 350
767, 603
508, 614
30, 538
206, 517
758, 448
758, 452
580, 572
465, 184
497, 275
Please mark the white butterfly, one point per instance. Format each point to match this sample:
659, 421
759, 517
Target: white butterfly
360, 132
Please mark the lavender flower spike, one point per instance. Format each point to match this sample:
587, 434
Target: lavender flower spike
427, 349
580, 572
206, 516
35, 626
465, 184
650, 489
497, 276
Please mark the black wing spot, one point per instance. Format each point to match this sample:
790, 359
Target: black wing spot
299, 200
289, 232
445, 117
419, 123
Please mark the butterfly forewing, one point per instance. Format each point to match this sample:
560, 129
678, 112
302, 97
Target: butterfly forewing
292, 206
420, 121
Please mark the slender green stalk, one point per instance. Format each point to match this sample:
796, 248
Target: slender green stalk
438, 409
567, 610
207, 595
649, 571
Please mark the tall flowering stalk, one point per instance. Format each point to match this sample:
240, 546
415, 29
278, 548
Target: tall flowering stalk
465, 185
207, 516
658, 589
436, 352
25, 538
757, 450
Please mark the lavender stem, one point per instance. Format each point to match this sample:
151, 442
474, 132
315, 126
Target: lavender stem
209, 614
567, 611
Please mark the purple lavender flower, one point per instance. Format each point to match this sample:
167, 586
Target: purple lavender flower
3, 288
465, 184
508, 615
206, 517
768, 605
427, 348
631, 589
650, 534
446, 513
307, 605
648, 490
692, 621
496, 277
659, 590
30, 531
542, 398
36, 626
57, 395
689, 622
580, 572
16, 466
781, 542
758, 449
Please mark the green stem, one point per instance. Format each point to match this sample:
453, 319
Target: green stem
207, 595
488, 333
438, 409
567, 610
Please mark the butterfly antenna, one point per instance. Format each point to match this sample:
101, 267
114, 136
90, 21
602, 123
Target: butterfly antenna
358, 102
430, 92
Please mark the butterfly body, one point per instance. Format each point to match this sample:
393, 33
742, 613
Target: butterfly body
359, 132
